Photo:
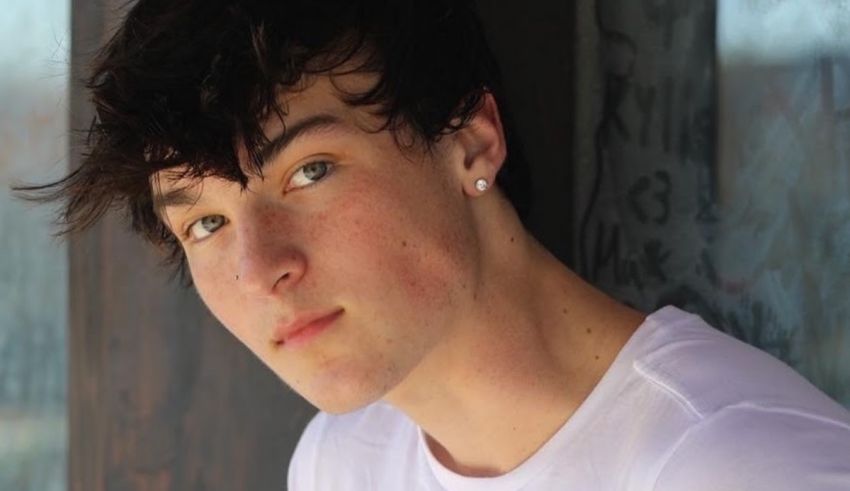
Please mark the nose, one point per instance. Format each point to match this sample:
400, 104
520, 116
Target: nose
267, 260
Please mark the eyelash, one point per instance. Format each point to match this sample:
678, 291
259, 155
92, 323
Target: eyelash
187, 233
330, 166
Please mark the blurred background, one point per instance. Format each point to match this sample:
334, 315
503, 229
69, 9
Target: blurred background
687, 152
34, 60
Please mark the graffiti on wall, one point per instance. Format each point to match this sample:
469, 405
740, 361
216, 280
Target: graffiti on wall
720, 183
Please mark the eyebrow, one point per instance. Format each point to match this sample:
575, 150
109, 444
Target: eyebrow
174, 197
306, 126
183, 196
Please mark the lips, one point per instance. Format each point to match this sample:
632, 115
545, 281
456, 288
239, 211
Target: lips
303, 328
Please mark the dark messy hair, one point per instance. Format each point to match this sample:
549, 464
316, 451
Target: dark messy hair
181, 81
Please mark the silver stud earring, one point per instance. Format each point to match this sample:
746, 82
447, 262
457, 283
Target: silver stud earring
481, 184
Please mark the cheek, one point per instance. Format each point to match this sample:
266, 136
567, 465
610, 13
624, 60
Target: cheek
406, 245
217, 290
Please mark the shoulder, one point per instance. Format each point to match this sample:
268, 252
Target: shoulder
760, 449
707, 370
338, 445
755, 423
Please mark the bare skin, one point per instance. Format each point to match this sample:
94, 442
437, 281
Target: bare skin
451, 311
498, 392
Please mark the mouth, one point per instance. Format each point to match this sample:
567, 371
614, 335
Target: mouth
302, 330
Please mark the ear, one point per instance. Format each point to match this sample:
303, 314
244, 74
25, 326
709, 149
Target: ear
482, 146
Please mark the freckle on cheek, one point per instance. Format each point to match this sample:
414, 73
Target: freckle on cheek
412, 283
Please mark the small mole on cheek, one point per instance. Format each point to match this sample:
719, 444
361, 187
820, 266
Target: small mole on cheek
564, 311
512, 239
597, 357
588, 330
404, 243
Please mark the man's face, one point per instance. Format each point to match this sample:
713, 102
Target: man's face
344, 224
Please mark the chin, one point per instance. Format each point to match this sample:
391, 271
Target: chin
340, 395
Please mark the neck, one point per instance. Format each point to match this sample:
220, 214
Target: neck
518, 364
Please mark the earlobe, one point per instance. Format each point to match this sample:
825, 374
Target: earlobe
482, 143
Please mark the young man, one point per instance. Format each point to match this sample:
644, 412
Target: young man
334, 175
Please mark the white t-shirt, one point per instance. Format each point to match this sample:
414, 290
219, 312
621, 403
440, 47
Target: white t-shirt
683, 407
